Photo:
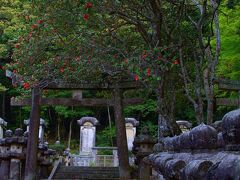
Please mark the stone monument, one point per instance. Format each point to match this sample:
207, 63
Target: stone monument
2, 123
131, 124
41, 128
87, 134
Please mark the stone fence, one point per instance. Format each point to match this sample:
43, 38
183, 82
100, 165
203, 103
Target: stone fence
13, 149
204, 152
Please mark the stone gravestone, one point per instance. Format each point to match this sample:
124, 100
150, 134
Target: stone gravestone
131, 124
87, 134
41, 128
2, 123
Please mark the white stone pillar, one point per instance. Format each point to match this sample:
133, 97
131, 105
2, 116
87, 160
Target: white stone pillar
2, 123
131, 124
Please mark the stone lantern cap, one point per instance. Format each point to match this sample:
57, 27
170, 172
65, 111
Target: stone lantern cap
92, 120
42, 122
184, 123
2, 122
133, 121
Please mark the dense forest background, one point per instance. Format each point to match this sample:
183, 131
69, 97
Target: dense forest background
21, 20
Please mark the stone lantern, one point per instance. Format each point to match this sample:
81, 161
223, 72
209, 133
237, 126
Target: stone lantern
44, 159
16, 150
5, 154
142, 147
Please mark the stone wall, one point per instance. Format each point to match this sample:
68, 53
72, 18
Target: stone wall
204, 152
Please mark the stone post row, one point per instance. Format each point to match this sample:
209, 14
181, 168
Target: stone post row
13, 156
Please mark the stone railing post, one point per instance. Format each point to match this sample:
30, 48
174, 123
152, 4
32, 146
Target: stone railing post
5, 155
142, 147
94, 154
115, 157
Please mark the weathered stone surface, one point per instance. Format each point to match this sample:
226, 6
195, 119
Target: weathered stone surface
196, 169
231, 127
228, 168
203, 137
173, 168
185, 141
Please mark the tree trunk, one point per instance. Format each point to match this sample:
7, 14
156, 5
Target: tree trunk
110, 123
32, 144
58, 128
209, 95
164, 122
124, 169
70, 135
3, 105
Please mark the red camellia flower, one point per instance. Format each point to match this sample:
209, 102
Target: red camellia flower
34, 26
88, 5
148, 72
30, 34
40, 21
86, 17
62, 69
115, 56
159, 58
26, 85
17, 45
136, 78
144, 55
14, 71
176, 62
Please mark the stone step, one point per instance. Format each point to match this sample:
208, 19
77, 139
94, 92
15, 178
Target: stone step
86, 171
91, 173
82, 176
88, 168
94, 173
87, 179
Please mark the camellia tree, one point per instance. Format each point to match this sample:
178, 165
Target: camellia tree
113, 40
172, 34
52, 45
51, 48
